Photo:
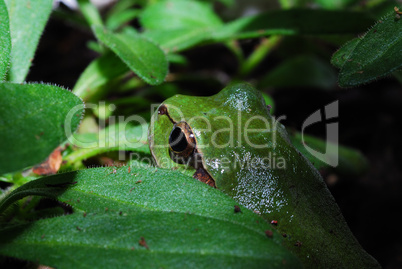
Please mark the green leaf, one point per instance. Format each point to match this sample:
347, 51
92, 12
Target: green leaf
178, 14
34, 120
181, 223
143, 57
302, 71
5, 40
351, 161
343, 54
27, 21
99, 72
117, 137
376, 55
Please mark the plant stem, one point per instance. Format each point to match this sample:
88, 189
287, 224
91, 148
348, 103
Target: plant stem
265, 47
234, 47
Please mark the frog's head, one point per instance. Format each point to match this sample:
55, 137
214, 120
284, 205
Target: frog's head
202, 136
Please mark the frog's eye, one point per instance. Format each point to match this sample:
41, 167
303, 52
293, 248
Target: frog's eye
181, 140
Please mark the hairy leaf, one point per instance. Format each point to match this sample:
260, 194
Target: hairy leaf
342, 55
27, 21
5, 40
143, 57
376, 54
142, 217
34, 120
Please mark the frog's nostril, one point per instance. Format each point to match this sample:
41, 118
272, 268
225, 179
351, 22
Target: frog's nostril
177, 140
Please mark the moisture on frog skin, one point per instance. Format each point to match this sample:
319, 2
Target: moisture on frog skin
274, 179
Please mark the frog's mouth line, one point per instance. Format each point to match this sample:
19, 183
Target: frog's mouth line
183, 148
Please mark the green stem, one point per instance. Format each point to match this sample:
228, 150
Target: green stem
266, 46
83, 154
90, 12
234, 47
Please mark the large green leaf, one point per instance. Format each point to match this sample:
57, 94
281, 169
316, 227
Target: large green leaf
34, 120
27, 21
143, 57
182, 223
5, 40
374, 55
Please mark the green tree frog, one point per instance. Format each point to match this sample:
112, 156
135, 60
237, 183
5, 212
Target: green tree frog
232, 143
